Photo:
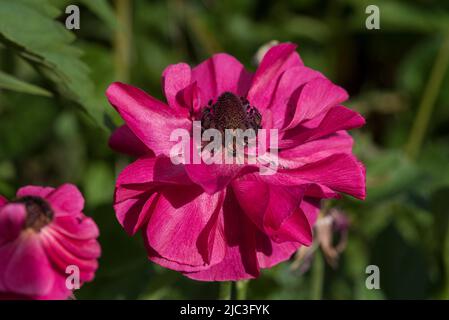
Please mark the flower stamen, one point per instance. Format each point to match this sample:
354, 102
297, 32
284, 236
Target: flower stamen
230, 112
39, 212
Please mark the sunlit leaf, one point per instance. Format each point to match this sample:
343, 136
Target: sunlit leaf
12, 83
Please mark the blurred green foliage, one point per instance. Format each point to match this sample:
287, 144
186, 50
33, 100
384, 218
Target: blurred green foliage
55, 122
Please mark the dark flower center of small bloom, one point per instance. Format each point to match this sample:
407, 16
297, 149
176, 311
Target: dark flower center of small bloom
39, 212
230, 112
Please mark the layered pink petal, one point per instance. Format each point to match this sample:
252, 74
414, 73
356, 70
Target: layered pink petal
294, 228
136, 191
270, 253
157, 170
316, 97
297, 227
190, 97
311, 206
58, 291
221, 73
175, 78
182, 227
125, 141
84, 249
286, 179
157, 258
12, 220
339, 172
62, 258
66, 199
336, 119
274, 209
134, 213
34, 191
75, 227
132, 191
277, 60
149, 119
312, 151
291, 83
24, 266
240, 260
215, 177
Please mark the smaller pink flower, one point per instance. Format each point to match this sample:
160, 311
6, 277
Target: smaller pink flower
42, 232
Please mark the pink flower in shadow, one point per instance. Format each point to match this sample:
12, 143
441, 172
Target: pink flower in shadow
226, 222
42, 232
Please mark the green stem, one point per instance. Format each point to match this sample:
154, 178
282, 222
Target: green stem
317, 276
242, 289
428, 100
122, 41
233, 290
225, 290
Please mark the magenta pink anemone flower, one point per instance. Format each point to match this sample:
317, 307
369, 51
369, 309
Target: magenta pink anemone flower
226, 222
42, 232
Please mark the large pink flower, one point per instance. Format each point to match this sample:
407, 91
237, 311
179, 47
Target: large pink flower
226, 222
42, 232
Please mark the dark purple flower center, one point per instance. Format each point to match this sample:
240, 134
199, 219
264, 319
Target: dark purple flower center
39, 212
230, 112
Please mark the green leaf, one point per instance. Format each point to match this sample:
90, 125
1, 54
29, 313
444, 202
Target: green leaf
12, 83
52, 52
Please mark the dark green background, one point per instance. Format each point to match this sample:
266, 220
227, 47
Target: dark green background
49, 140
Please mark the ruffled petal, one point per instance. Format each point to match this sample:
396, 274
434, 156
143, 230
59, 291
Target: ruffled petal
59, 290
270, 253
277, 60
339, 172
315, 150
190, 98
240, 260
274, 209
297, 227
316, 97
336, 119
84, 249
137, 186
215, 177
133, 213
157, 170
175, 78
149, 119
62, 258
24, 266
12, 221
66, 199
75, 227
221, 73
286, 95
173, 265
36, 191
182, 227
